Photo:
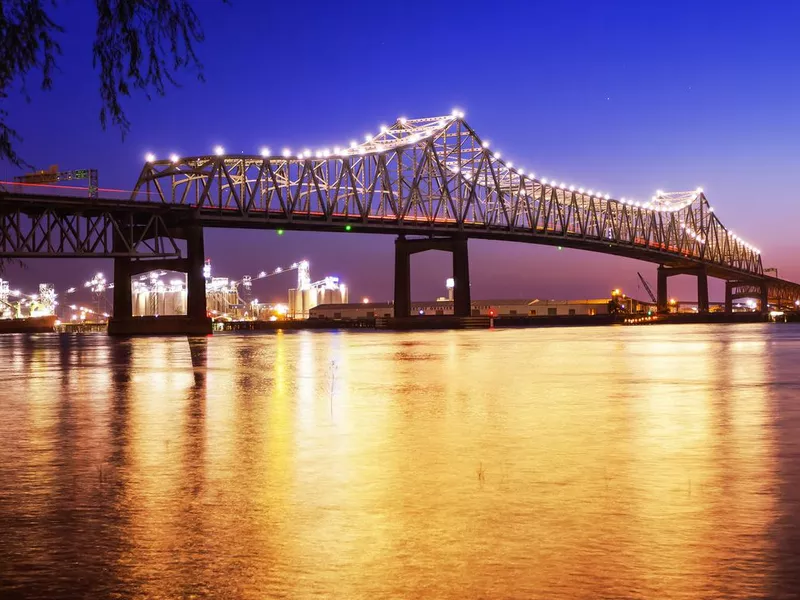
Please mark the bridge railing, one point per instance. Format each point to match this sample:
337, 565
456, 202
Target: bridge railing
72, 191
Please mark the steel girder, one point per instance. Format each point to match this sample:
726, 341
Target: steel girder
57, 228
436, 176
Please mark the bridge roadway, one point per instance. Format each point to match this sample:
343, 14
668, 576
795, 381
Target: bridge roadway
433, 183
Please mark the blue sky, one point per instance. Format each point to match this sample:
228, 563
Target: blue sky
627, 97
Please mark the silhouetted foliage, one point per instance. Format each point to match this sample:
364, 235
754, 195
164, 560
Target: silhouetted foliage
139, 45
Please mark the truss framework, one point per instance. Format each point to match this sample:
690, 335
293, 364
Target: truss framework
436, 175
51, 232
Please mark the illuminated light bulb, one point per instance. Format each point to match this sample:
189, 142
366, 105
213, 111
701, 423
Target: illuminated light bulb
590, 192
402, 120
384, 129
306, 152
699, 190
219, 150
353, 143
659, 193
454, 113
461, 114
581, 190
497, 155
521, 171
710, 209
606, 196
174, 158
509, 164
326, 153
318, 154
367, 137
544, 181
149, 157
572, 188
286, 152
638, 204
265, 152
485, 144
336, 150
622, 200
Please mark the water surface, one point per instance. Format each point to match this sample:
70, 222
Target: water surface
616, 462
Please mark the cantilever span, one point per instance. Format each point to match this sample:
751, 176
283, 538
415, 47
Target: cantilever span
436, 176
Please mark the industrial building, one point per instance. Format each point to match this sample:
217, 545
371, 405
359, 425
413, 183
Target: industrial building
443, 307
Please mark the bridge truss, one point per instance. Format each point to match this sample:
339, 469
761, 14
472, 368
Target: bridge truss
436, 176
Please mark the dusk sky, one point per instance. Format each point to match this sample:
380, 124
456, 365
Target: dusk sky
623, 97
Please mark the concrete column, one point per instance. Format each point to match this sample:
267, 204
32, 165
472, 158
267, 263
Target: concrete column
729, 296
462, 305
662, 302
702, 291
195, 282
764, 298
402, 278
123, 301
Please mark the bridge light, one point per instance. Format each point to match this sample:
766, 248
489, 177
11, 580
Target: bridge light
710, 209
509, 164
563, 185
368, 137
306, 152
265, 152
348, 227
336, 150
149, 157
659, 193
521, 171
286, 152
581, 190
318, 154
485, 144
219, 150
174, 158
544, 181
699, 190
622, 200
497, 155
606, 196
384, 129
353, 143
402, 120
590, 192
572, 188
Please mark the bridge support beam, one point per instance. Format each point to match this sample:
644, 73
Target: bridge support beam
665, 273
195, 322
404, 248
729, 285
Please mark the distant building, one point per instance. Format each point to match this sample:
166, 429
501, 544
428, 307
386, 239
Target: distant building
497, 308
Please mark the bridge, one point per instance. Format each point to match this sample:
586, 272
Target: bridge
434, 183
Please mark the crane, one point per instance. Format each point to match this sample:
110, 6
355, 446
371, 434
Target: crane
647, 287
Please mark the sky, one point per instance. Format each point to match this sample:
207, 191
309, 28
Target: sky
627, 97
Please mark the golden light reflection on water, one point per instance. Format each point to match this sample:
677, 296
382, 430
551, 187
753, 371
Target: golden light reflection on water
599, 462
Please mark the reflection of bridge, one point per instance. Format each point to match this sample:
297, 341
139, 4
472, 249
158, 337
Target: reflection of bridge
430, 178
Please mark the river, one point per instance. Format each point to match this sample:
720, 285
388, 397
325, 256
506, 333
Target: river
607, 462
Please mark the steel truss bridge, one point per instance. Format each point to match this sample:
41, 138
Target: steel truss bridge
431, 178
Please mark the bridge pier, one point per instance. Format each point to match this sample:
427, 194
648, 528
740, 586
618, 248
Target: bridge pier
195, 322
664, 273
404, 248
729, 285
749, 290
